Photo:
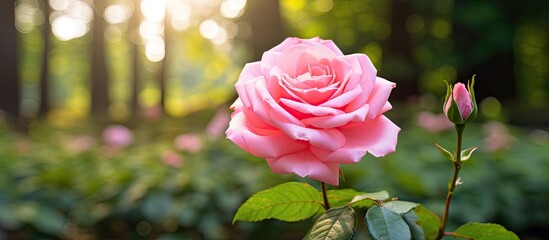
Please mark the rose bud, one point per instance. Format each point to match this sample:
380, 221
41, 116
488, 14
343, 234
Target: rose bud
460, 106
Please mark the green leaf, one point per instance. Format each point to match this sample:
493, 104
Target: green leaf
48, 220
486, 231
412, 220
384, 223
367, 200
429, 221
445, 153
337, 223
292, 201
400, 207
341, 197
466, 154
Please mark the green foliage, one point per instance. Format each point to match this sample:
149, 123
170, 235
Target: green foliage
94, 188
341, 197
367, 200
336, 224
400, 207
485, 231
292, 201
384, 223
413, 222
429, 222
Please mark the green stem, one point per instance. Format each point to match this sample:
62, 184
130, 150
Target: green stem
325, 196
453, 184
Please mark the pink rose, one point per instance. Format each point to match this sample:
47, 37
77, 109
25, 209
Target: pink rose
307, 108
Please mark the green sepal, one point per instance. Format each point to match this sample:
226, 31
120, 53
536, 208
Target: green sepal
445, 153
466, 154
448, 93
454, 114
470, 88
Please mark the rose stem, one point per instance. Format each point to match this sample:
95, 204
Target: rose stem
453, 184
326, 203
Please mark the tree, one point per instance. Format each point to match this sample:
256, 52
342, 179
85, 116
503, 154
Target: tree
44, 78
264, 18
134, 28
10, 90
99, 78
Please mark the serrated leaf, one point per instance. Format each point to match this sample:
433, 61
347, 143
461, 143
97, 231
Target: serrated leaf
466, 154
486, 231
412, 220
367, 200
336, 224
292, 201
429, 221
341, 197
445, 153
400, 207
386, 224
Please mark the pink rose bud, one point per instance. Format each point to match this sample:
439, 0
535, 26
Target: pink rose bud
460, 106
307, 108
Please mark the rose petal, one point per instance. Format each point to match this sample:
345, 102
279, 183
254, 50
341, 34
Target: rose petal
305, 164
265, 143
377, 136
330, 139
343, 99
310, 109
339, 120
363, 75
379, 96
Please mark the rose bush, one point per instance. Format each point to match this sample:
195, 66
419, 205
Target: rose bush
306, 108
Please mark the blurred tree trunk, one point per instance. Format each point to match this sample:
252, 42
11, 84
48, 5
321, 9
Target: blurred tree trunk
162, 73
99, 78
136, 38
264, 18
10, 90
400, 51
44, 76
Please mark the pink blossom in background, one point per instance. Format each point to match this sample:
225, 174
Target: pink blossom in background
80, 144
497, 137
188, 142
172, 159
306, 108
152, 112
433, 123
218, 124
117, 136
